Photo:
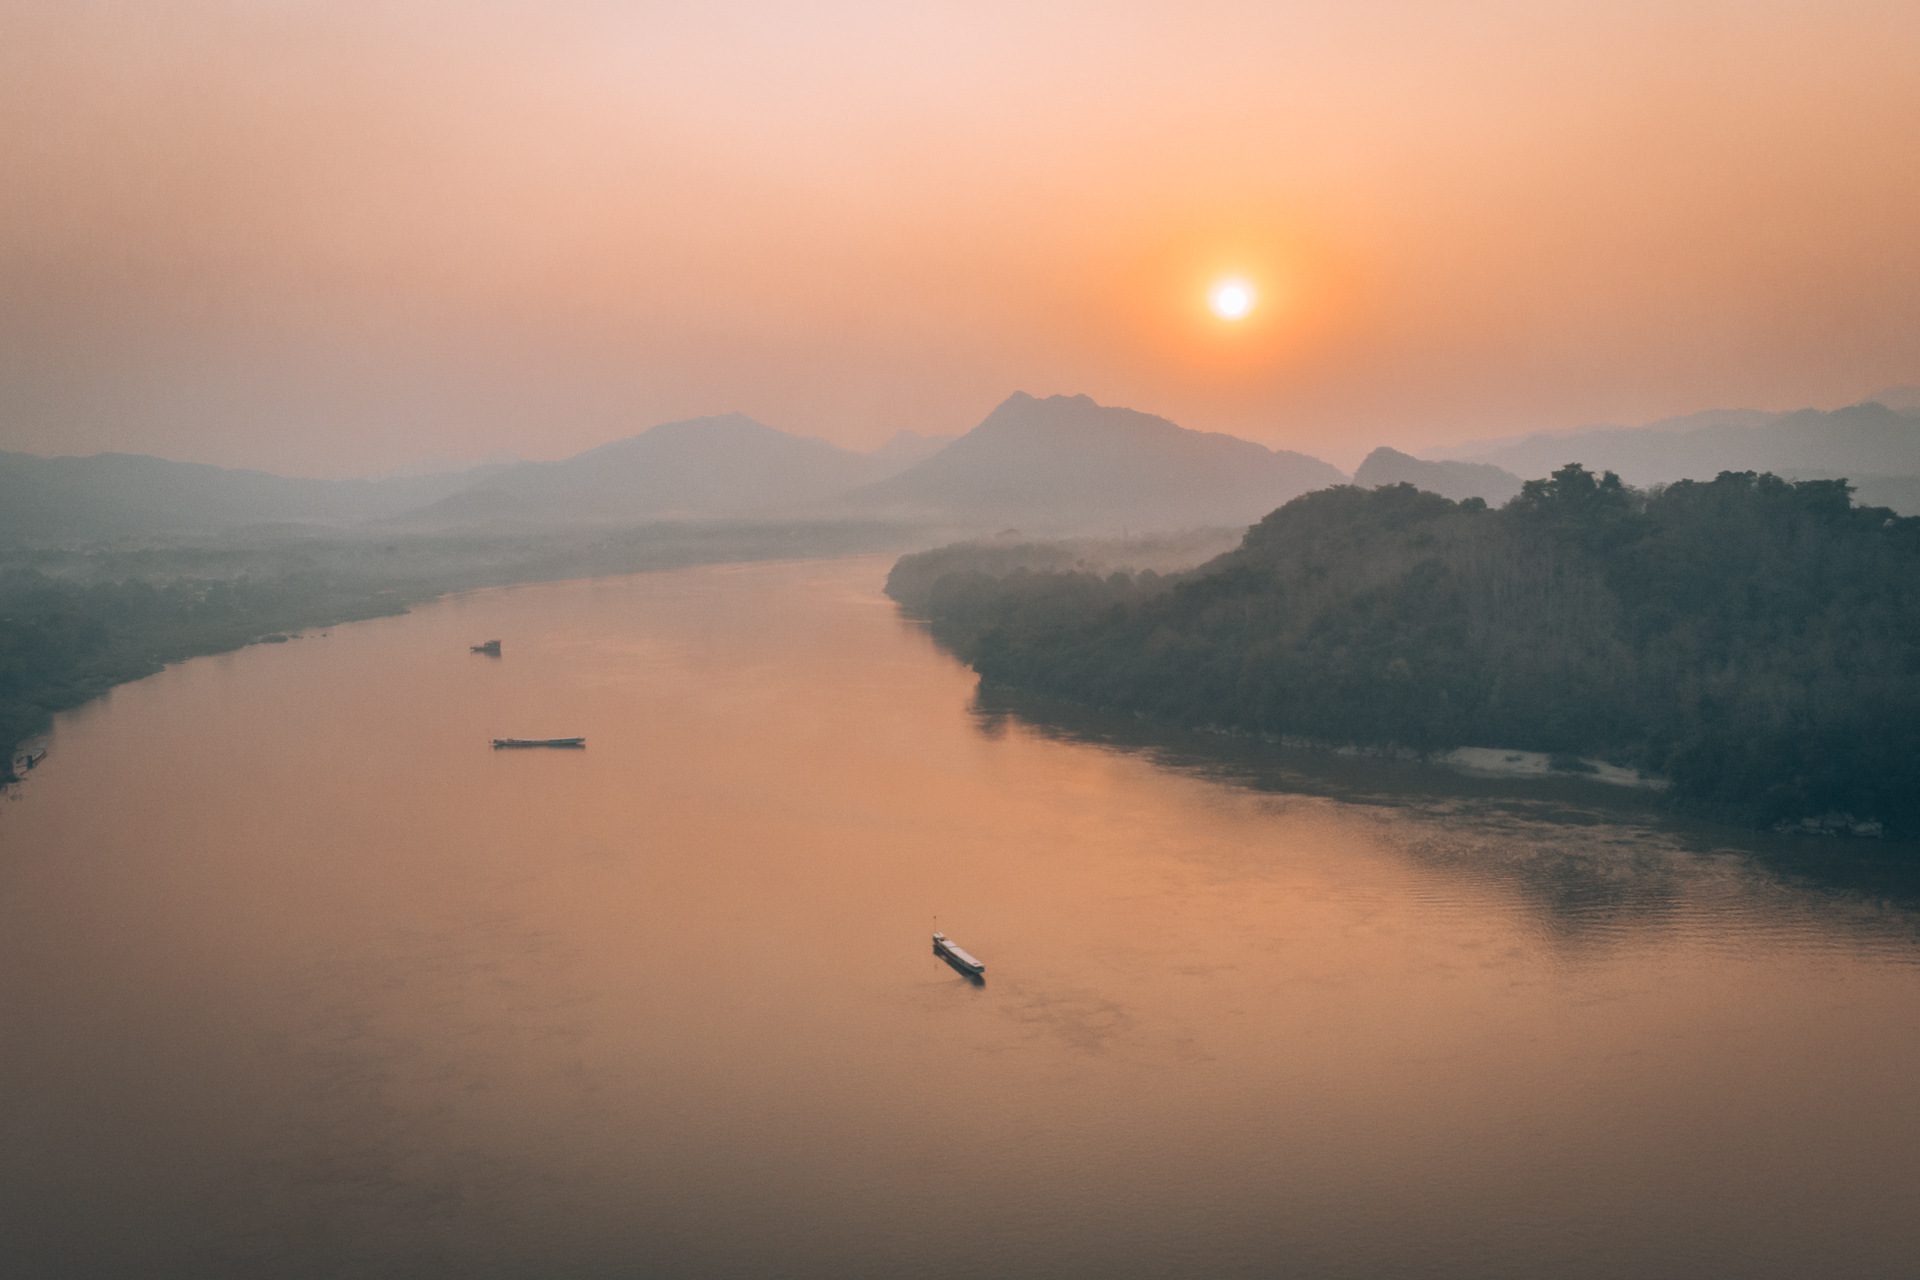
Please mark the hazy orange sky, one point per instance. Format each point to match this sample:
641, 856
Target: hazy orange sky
329, 238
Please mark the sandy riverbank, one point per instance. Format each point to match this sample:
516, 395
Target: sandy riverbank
1492, 762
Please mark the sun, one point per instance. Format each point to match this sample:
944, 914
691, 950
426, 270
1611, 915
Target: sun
1231, 299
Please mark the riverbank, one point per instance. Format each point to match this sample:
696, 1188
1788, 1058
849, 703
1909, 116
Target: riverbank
79, 619
370, 998
1494, 762
1475, 762
1752, 640
65, 645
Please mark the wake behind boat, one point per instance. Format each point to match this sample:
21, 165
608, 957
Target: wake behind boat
539, 742
955, 955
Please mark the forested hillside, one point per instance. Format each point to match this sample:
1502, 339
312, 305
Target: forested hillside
1755, 640
913, 577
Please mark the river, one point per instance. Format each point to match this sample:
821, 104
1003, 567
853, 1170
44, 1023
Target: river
299, 977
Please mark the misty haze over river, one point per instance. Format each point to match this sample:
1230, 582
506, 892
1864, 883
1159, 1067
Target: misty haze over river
299, 978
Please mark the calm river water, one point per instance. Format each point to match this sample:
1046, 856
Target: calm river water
299, 978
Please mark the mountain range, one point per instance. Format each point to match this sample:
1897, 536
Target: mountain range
722, 466
1053, 464
1057, 463
1064, 461
1875, 444
719, 466
1456, 480
111, 495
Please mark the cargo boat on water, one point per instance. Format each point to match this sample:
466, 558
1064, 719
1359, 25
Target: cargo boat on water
953, 952
539, 742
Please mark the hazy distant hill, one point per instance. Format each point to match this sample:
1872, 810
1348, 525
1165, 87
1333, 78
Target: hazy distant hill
1521, 454
1902, 493
117, 494
1456, 480
467, 510
722, 465
1048, 464
908, 448
437, 466
1898, 397
1066, 461
1867, 443
728, 465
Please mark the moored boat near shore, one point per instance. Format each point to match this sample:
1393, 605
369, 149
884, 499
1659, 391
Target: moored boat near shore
539, 742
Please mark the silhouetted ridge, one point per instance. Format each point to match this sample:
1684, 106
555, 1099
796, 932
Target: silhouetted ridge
1905, 398
116, 494
1455, 480
1066, 460
1867, 443
727, 465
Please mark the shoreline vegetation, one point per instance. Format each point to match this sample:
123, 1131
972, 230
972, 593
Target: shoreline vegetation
78, 619
1752, 642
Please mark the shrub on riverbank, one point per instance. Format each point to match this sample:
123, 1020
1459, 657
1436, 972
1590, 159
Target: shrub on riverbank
1755, 640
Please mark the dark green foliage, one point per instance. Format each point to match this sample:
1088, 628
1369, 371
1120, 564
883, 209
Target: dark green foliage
62, 642
1756, 640
913, 577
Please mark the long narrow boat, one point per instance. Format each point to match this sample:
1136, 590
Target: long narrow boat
952, 951
539, 742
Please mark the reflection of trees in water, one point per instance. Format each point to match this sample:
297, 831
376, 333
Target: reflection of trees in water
1594, 862
1591, 879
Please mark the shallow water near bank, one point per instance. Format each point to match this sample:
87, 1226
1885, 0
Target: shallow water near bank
301, 978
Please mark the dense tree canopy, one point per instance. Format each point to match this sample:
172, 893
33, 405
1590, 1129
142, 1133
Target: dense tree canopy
1755, 640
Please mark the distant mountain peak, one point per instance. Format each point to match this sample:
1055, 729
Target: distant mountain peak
1068, 461
1023, 398
1903, 398
1075, 418
1455, 480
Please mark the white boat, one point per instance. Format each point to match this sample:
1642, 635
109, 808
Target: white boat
539, 742
952, 951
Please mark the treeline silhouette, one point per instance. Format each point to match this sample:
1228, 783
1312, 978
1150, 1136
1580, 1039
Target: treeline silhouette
62, 642
913, 577
77, 619
1755, 640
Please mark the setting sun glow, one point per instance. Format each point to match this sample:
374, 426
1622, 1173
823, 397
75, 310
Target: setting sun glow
1231, 299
